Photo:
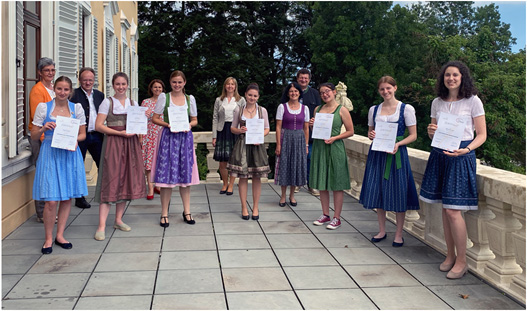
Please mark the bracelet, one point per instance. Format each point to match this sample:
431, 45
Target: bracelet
469, 150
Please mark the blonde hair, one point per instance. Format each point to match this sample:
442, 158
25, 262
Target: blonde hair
224, 92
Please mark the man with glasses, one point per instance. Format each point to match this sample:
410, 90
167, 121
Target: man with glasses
311, 98
90, 99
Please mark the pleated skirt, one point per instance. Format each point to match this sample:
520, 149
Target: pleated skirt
59, 175
225, 140
451, 180
291, 164
395, 194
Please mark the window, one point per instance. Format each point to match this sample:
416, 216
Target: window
31, 55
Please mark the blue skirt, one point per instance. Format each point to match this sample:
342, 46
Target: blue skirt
451, 180
395, 194
60, 174
291, 164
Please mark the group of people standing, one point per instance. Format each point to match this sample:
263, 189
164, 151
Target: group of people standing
168, 159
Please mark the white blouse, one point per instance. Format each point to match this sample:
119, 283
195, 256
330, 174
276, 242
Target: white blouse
161, 102
42, 110
117, 107
229, 106
409, 115
280, 112
471, 107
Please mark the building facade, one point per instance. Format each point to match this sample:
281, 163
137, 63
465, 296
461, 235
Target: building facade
98, 34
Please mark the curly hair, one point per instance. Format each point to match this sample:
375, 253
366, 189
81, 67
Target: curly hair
285, 95
466, 89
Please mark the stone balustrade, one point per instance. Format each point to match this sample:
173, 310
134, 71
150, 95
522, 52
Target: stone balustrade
496, 231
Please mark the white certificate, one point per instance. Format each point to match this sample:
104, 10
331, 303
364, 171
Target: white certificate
385, 135
66, 133
255, 131
450, 129
322, 126
178, 116
136, 120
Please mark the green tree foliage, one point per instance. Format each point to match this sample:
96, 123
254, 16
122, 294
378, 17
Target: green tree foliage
353, 42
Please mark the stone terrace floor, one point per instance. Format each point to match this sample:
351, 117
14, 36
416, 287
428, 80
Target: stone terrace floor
281, 261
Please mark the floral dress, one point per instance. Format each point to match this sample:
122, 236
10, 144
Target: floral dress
149, 142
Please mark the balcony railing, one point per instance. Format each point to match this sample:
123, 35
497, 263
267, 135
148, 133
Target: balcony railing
496, 243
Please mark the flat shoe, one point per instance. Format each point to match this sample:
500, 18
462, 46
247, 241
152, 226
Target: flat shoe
223, 191
64, 245
453, 275
256, 217
293, 203
47, 250
375, 240
122, 227
245, 217
99, 235
281, 204
397, 244
229, 193
446, 267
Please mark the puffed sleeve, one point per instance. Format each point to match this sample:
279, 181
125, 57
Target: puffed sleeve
193, 106
477, 107
79, 114
409, 115
160, 104
370, 116
40, 114
105, 106
433, 110
265, 117
306, 114
280, 112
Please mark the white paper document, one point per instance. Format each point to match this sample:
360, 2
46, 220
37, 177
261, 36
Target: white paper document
322, 126
136, 120
255, 131
450, 129
65, 133
178, 116
385, 135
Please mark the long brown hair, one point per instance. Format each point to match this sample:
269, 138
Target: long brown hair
224, 93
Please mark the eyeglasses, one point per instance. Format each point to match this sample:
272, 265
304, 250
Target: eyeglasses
326, 93
48, 70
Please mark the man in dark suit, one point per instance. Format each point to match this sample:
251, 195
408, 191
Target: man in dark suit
90, 100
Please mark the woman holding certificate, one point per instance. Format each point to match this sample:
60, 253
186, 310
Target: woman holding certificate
249, 159
60, 175
121, 168
175, 158
149, 141
329, 164
388, 183
450, 176
222, 138
292, 142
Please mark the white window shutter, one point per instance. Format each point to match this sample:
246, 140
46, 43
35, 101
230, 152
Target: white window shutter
67, 34
95, 52
20, 105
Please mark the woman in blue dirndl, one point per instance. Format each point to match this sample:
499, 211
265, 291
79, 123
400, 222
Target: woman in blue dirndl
60, 175
450, 176
388, 183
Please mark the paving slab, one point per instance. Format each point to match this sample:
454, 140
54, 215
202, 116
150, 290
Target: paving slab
335, 299
9, 281
344, 239
272, 300
305, 257
118, 262
249, 241
284, 227
254, 279
189, 260
22, 247
134, 244
405, 298
39, 304
478, 297
253, 258
360, 256
285, 240
65, 263
381, 276
135, 302
120, 283
189, 281
179, 228
208, 301
188, 243
49, 285
17, 264
240, 226
319, 277
429, 274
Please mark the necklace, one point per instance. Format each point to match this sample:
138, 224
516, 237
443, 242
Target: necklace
249, 111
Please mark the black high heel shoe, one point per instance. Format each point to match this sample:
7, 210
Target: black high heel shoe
164, 224
191, 221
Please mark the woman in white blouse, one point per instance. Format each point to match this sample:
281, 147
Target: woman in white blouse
222, 138
450, 176
60, 175
121, 169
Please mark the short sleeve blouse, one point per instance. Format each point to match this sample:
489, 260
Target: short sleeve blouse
409, 115
161, 102
42, 110
117, 109
280, 112
471, 107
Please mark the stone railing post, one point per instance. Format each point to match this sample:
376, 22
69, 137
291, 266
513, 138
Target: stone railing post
517, 285
212, 165
479, 254
91, 170
503, 267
